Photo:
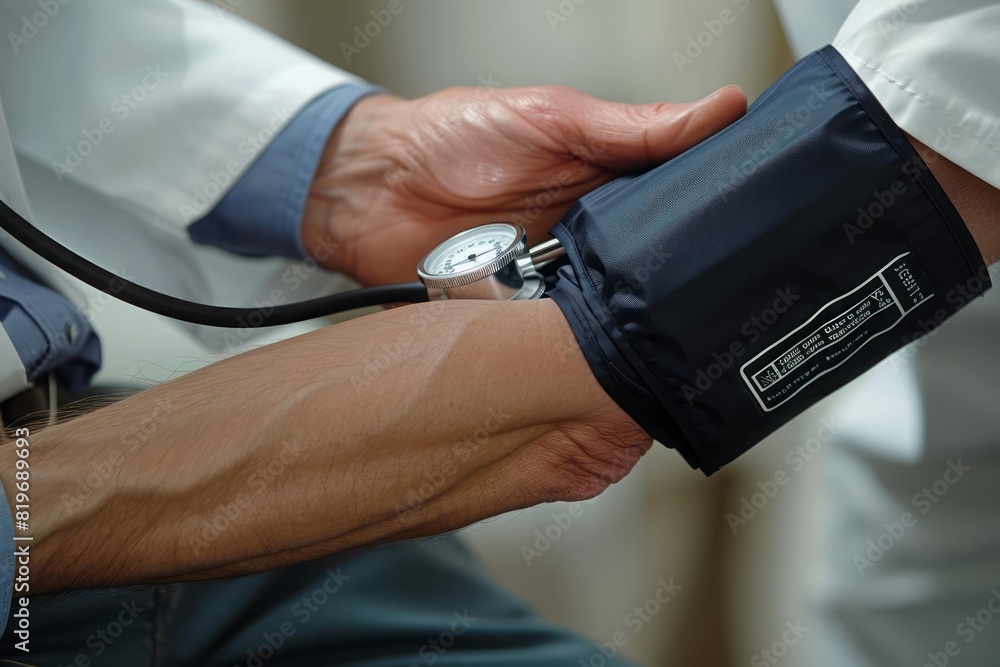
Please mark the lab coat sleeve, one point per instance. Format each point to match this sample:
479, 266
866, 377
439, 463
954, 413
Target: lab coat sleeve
935, 66
261, 216
157, 105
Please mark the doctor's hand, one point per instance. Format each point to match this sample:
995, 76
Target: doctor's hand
398, 177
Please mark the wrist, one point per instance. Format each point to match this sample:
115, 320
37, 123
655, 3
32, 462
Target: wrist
349, 178
557, 359
975, 200
593, 442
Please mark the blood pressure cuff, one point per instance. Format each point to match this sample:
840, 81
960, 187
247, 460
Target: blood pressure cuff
719, 295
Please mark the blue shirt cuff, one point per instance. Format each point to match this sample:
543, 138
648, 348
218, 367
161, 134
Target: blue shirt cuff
48, 333
6, 560
261, 216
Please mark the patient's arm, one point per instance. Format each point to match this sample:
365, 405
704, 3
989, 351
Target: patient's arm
977, 201
413, 421
409, 422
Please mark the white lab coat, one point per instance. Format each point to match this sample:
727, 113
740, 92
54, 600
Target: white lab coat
935, 66
121, 122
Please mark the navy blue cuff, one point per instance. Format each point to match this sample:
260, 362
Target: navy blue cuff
261, 216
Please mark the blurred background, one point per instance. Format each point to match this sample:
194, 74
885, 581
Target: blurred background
742, 548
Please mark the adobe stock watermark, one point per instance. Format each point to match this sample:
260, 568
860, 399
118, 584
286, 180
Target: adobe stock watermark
772, 655
431, 651
302, 610
912, 172
785, 128
535, 205
104, 637
797, 459
634, 621
900, 16
260, 478
245, 151
100, 471
751, 331
226, 8
646, 268
292, 279
364, 34
32, 24
460, 452
551, 533
967, 630
425, 145
372, 367
95, 304
959, 296
703, 40
120, 108
923, 502
562, 12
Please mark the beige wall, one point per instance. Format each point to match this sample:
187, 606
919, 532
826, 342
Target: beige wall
621, 49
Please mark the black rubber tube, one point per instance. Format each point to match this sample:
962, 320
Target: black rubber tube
190, 311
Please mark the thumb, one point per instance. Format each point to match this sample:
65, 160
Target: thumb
639, 136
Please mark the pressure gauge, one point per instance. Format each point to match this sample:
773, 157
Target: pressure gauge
486, 262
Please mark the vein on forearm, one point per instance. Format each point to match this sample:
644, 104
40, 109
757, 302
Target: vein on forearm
313, 464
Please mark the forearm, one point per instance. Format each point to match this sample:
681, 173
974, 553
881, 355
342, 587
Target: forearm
408, 422
977, 202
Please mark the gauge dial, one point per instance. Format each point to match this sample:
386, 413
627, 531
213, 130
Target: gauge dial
486, 262
464, 253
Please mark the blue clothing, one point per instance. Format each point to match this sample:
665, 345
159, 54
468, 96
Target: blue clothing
47, 331
259, 216
408, 604
262, 214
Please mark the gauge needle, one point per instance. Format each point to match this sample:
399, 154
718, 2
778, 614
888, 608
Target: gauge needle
471, 258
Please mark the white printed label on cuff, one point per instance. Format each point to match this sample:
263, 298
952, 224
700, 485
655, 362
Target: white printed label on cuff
835, 333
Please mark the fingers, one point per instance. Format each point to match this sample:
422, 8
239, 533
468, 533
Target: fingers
637, 136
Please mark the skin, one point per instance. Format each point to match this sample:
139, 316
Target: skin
401, 176
316, 463
975, 200
312, 445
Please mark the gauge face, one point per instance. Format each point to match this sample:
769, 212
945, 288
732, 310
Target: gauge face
471, 249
